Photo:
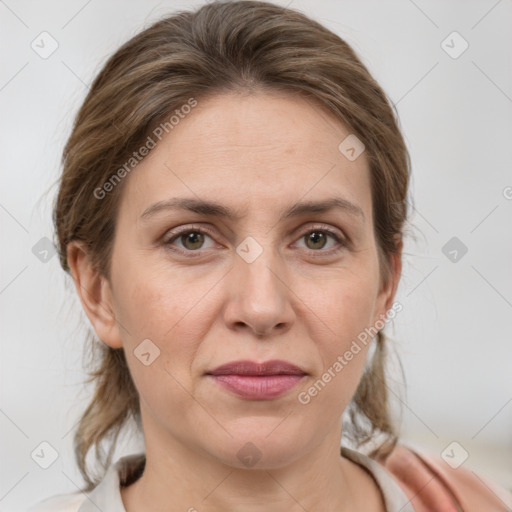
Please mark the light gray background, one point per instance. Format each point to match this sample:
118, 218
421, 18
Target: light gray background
454, 333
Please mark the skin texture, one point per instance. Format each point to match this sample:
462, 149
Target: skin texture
299, 300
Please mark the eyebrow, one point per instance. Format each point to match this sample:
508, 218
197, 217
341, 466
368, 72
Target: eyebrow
215, 209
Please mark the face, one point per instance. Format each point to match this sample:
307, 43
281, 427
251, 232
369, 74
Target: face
271, 280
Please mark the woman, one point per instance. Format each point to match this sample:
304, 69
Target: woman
231, 211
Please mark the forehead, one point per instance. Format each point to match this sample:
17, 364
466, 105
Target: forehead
255, 149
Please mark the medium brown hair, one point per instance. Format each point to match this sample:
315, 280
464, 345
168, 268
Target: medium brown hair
237, 46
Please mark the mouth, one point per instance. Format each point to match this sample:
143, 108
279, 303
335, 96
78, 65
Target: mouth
257, 381
246, 367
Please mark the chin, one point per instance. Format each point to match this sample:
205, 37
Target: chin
259, 450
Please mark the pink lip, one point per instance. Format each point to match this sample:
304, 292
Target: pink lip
258, 381
258, 388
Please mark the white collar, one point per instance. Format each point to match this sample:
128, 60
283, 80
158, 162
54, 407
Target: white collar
106, 496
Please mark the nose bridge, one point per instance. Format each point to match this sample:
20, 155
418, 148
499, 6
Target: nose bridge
260, 297
258, 268
261, 269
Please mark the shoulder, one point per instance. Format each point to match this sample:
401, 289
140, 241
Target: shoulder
431, 484
105, 496
59, 503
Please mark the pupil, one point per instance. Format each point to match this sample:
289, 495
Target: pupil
193, 238
316, 237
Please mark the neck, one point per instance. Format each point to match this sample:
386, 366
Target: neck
192, 480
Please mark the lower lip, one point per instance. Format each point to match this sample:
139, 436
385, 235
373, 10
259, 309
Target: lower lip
258, 388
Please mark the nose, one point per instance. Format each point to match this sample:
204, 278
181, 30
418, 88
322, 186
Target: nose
259, 298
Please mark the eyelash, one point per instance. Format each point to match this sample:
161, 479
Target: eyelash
192, 229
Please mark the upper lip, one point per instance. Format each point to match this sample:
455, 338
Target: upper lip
246, 367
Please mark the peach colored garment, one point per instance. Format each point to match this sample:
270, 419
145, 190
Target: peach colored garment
432, 485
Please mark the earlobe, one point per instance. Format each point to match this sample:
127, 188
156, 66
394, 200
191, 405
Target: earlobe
95, 295
388, 291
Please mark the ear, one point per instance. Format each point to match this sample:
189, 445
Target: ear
388, 289
95, 295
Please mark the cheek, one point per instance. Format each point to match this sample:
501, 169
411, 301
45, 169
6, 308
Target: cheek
341, 310
155, 300
147, 309
151, 309
161, 305
344, 304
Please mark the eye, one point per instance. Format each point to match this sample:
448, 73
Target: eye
318, 238
191, 240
